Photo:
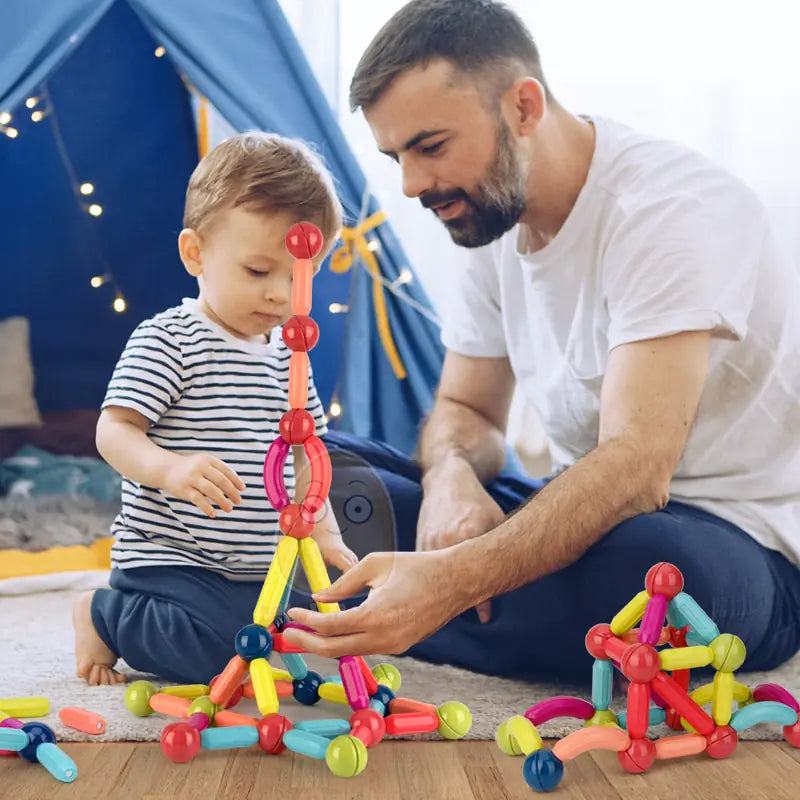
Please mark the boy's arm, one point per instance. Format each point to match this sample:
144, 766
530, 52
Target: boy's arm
122, 440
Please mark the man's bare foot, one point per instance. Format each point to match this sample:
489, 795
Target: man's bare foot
93, 659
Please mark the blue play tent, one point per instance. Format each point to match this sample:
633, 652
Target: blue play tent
116, 116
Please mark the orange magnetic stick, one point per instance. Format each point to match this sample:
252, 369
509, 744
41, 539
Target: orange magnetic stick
229, 680
302, 275
298, 380
170, 705
231, 719
403, 705
80, 719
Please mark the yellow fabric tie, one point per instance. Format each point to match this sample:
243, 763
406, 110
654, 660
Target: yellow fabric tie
354, 241
203, 134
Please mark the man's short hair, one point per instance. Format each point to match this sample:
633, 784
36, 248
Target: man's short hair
265, 173
482, 38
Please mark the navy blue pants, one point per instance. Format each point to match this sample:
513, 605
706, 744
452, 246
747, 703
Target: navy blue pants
180, 622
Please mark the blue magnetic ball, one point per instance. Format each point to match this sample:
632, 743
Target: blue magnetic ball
384, 694
38, 733
306, 690
542, 770
253, 641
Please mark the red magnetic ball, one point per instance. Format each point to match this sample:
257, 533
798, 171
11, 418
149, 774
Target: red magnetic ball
721, 742
294, 523
270, 733
639, 756
300, 333
664, 578
180, 742
792, 734
304, 240
296, 426
596, 640
640, 663
372, 721
235, 697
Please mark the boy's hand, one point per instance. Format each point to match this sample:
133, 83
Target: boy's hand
335, 553
202, 479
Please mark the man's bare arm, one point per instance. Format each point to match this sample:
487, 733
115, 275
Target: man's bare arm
469, 417
650, 395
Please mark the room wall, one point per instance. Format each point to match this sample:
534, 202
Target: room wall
718, 76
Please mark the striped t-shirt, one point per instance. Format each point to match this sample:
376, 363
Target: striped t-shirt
204, 391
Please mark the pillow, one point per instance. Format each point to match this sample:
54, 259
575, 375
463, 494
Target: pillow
17, 404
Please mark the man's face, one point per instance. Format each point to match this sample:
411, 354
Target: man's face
456, 157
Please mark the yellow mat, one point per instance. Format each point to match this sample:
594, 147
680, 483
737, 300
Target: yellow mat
19, 563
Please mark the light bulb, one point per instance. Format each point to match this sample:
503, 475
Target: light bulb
37, 116
97, 281
87, 188
405, 276
119, 304
374, 245
338, 308
95, 210
31, 102
12, 133
160, 50
335, 409
5, 117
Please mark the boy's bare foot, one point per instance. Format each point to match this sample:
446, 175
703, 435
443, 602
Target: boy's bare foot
93, 659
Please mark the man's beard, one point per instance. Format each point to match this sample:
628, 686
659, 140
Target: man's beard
496, 203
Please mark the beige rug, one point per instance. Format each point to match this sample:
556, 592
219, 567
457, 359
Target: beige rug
36, 659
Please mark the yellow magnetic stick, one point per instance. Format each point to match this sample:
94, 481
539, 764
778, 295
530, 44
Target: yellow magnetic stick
315, 571
264, 687
722, 704
3, 716
333, 692
22, 707
190, 691
629, 614
519, 736
685, 657
280, 674
280, 571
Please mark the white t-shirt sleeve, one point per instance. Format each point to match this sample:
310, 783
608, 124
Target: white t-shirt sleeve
148, 377
680, 264
473, 321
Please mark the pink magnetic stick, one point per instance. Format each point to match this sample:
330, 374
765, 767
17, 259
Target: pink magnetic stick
773, 691
653, 619
560, 707
273, 474
353, 681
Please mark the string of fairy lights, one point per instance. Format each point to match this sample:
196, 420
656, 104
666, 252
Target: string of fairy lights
40, 107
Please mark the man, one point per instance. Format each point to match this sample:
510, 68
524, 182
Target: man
635, 293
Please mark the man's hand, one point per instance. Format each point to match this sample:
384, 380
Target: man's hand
455, 508
411, 596
202, 480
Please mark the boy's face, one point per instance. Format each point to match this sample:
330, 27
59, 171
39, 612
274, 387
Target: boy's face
244, 271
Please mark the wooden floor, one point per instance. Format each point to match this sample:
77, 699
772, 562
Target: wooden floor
399, 771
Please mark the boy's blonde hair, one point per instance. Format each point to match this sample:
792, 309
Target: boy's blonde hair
265, 173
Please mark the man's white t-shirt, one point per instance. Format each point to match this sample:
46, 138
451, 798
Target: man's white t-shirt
659, 241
